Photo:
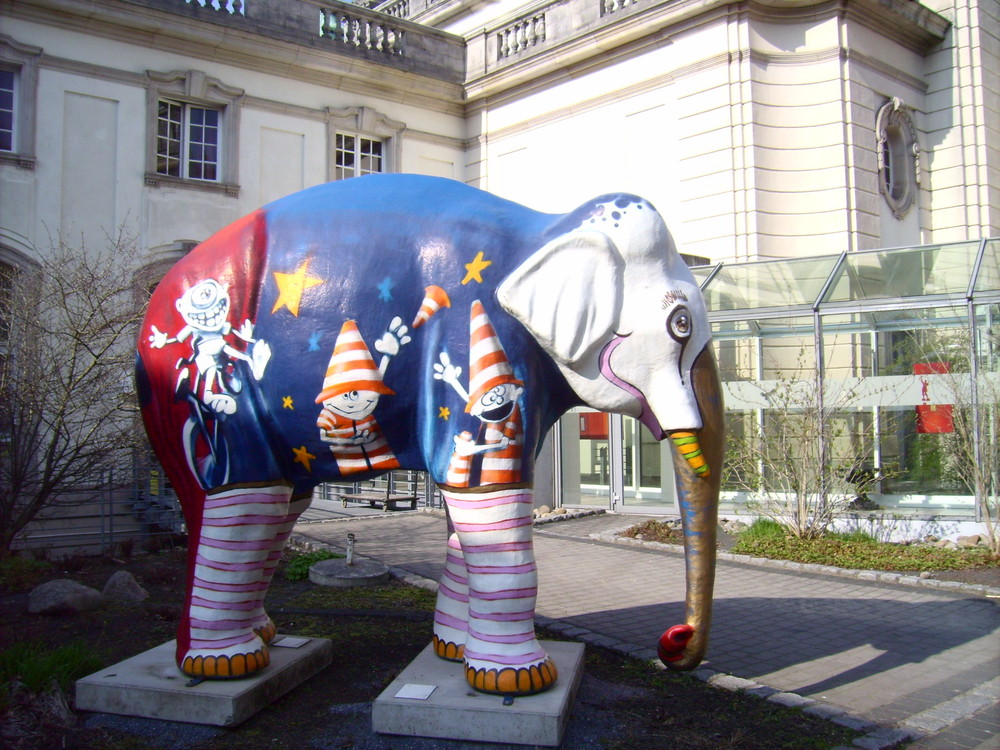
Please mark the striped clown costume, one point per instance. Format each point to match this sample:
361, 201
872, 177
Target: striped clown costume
351, 390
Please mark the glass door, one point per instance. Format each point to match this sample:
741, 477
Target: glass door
613, 462
648, 472
586, 458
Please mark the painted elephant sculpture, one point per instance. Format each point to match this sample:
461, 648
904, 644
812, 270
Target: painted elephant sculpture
407, 322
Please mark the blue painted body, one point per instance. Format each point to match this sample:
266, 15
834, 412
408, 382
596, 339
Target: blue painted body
373, 244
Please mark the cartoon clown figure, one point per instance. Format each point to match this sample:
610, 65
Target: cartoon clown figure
351, 391
493, 396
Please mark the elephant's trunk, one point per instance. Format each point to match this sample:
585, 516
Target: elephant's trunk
698, 468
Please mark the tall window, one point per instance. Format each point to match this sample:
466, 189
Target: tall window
18, 90
188, 141
192, 132
6, 110
356, 156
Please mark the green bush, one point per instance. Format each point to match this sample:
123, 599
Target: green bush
22, 573
297, 566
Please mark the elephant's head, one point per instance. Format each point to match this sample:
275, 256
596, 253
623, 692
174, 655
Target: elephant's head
613, 303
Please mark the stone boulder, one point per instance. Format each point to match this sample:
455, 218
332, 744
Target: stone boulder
123, 586
62, 597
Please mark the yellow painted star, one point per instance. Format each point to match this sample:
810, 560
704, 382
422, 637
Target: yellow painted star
286, 402
303, 456
291, 287
474, 270
444, 412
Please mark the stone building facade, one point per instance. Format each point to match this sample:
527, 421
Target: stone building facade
760, 128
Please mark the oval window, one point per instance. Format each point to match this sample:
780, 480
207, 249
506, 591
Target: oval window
898, 156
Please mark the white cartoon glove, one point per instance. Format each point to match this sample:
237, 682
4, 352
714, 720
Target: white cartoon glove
394, 339
446, 371
449, 373
158, 339
259, 357
245, 331
465, 445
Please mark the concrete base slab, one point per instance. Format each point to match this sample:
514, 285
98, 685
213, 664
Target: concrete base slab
442, 704
336, 572
150, 685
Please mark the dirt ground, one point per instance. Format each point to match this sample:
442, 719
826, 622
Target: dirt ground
620, 703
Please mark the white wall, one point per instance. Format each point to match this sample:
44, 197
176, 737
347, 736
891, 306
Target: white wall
92, 135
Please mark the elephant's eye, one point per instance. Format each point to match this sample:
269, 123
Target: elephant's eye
679, 324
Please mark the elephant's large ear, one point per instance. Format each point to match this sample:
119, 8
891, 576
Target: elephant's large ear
568, 294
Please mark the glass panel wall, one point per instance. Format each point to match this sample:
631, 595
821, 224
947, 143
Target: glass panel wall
895, 353
881, 368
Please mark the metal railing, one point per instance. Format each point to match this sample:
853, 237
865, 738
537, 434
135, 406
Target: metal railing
415, 483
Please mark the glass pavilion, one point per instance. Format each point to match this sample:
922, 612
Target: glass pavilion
894, 354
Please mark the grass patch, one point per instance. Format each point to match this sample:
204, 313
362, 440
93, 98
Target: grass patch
298, 563
857, 536
856, 550
864, 554
37, 667
680, 711
390, 596
764, 528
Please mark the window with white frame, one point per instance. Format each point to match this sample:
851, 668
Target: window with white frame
193, 131
18, 77
356, 156
187, 141
362, 141
7, 110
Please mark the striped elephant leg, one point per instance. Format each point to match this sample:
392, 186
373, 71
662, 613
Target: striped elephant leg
451, 615
263, 625
501, 654
228, 582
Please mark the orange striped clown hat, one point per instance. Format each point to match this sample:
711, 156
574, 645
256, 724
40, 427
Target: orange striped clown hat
351, 367
488, 363
434, 299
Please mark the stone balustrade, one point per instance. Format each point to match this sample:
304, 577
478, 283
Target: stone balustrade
517, 38
229, 6
524, 33
610, 6
355, 30
336, 26
386, 35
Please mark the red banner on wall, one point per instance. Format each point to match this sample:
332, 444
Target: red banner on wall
593, 426
932, 419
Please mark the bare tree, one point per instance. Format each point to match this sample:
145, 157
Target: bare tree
970, 442
798, 459
976, 446
67, 405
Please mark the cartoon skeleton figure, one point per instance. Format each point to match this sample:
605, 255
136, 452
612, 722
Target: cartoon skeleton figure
205, 309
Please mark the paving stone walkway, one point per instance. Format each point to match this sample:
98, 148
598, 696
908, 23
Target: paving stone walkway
897, 660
